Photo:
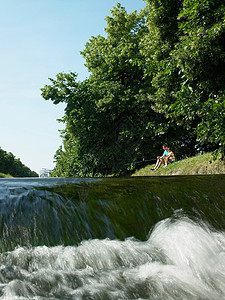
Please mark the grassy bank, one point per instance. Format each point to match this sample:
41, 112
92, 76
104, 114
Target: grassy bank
199, 164
5, 175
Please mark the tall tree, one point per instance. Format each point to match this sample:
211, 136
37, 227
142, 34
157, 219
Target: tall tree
157, 76
189, 79
110, 122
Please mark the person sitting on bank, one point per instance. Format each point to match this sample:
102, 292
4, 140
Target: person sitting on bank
170, 158
167, 157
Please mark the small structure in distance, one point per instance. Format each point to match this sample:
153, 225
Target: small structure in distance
45, 173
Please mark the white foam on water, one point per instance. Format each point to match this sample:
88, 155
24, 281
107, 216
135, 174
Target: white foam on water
180, 260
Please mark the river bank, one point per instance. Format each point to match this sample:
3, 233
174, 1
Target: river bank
5, 175
196, 165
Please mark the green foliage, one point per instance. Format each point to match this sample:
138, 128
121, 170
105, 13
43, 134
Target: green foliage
200, 58
190, 80
2, 175
9, 164
158, 76
109, 120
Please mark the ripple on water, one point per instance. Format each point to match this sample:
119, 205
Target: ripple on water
180, 260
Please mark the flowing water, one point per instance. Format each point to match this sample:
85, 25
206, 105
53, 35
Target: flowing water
126, 238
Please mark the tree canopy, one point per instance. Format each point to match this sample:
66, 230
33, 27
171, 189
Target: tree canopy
157, 76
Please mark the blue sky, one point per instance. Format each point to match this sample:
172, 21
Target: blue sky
40, 38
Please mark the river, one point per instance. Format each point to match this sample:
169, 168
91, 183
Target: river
157, 238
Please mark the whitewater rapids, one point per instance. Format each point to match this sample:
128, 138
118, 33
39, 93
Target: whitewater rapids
181, 259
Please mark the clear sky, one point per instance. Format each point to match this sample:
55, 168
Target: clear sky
40, 38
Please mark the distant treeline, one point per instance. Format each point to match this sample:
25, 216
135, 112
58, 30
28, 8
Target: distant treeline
9, 164
157, 76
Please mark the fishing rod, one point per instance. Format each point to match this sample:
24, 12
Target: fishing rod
141, 161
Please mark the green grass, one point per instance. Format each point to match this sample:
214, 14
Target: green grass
5, 175
199, 164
